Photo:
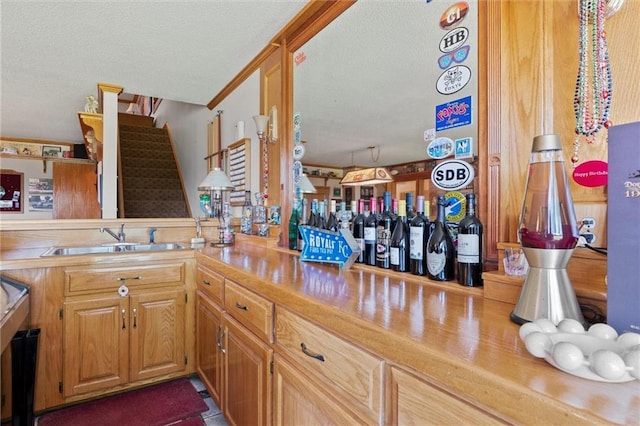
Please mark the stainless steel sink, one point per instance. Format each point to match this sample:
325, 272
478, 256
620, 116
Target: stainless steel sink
111, 248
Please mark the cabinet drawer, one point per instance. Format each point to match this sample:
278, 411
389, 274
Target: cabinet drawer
252, 311
352, 374
91, 280
210, 283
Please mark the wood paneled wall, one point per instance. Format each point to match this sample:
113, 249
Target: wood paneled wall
537, 66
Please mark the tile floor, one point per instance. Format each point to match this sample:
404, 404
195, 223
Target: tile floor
212, 417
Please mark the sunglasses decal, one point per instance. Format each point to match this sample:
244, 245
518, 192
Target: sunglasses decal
457, 56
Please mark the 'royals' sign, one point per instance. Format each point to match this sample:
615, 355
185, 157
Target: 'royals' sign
329, 247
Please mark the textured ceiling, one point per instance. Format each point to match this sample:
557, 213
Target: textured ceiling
53, 54
368, 78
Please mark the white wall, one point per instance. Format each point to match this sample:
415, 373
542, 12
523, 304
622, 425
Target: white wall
188, 126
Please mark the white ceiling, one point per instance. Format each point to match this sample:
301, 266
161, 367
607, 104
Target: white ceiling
53, 54
368, 78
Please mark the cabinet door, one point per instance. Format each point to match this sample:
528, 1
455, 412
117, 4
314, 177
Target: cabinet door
416, 402
298, 400
157, 334
75, 191
209, 333
247, 389
96, 344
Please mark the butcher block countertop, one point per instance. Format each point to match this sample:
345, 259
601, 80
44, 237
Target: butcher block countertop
450, 334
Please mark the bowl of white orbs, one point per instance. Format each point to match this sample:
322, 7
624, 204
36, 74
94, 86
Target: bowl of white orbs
598, 353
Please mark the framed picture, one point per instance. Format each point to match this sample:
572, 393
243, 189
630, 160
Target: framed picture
51, 151
11, 190
40, 194
336, 192
366, 192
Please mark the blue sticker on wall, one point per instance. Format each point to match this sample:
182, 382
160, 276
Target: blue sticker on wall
464, 148
453, 114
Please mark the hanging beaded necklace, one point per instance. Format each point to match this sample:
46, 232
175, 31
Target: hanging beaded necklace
594, 88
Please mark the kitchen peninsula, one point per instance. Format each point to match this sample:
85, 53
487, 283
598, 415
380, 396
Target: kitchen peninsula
404, 349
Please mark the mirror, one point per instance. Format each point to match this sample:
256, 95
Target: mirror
376, 76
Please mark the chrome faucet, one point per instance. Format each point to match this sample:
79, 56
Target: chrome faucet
119, 236
198, 228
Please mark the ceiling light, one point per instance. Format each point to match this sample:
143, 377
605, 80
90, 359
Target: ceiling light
370, 176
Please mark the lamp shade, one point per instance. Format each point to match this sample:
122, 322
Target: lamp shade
133, 109
216, 180
306, 186
261, 122
371, 176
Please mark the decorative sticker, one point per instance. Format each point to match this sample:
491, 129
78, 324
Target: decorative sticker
299, 58
453, 39
591, 174
297, 172
458, 56
298, 152
452, 175
453, 15
456, 207
440, 148
453, 80
464, 148
453, 114
429, 135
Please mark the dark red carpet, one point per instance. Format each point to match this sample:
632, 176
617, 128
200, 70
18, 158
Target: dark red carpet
158, 405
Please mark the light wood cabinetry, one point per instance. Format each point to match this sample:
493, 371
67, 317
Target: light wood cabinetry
413, 401
122, 324
348, 373
297, 401
209, 327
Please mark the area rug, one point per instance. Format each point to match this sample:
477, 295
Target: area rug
158, 405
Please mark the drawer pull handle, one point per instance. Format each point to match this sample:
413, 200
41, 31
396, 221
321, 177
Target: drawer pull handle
124, 327
206, 282
125, 278
243, 307
311, 354
135, 318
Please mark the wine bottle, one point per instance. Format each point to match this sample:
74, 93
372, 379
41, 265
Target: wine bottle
294, 221
370, 234
419, 235
357, 229
303, 222
399, 250
313, 214
385, 228
440, 249
321, 219
410, 211
332, 220
470, 246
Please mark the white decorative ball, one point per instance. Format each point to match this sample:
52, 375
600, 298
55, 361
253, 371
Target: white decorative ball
568, 356
632, 360
629, 339
527, 328
603, 331
538, 344
570, 325
546, 325
607, 364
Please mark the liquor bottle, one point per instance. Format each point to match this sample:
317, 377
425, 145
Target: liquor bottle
332, 221
321, 218
313, 214
399, 250
357, 229
303, 222
385, 228
470, 246
410, 211
370, 234
419, 235
247, 214
294, 222
354, 211
440, 249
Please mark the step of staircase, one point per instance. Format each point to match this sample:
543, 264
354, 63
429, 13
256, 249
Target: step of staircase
151, 184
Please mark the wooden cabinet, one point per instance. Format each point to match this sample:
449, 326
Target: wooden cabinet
413, 401
297, 401
121, 325
209, 328
351, 375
